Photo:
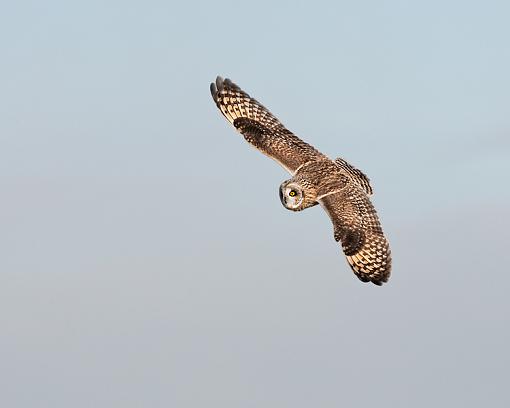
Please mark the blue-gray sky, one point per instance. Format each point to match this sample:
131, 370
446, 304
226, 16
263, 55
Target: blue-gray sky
146, 258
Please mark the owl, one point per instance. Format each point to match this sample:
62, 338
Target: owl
342, 190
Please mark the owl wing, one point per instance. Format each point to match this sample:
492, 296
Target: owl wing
356, 225
260, 128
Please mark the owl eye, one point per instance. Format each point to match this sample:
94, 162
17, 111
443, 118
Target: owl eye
292, 193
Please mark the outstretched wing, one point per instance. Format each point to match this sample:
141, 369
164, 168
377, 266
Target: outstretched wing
357, 227
260, 128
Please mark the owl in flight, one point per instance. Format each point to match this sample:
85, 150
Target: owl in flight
341, 189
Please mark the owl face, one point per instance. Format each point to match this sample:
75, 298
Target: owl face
297, 196
291, 195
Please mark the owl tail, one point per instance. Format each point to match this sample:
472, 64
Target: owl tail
372, 262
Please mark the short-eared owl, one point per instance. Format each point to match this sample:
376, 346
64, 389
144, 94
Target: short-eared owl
341, 189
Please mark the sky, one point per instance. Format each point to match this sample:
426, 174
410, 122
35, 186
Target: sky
146, 258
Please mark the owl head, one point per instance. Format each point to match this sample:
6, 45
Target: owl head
296, 195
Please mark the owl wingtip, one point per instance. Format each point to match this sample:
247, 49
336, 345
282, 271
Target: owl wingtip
375, 281
219, 83
214, 91
225, 83
379, 280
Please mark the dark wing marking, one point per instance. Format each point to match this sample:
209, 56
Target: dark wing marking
356, 225
260, 128
356, 175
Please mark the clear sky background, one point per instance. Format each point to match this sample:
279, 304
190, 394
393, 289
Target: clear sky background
146, 260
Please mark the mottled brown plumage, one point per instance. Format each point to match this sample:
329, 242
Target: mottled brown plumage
341, 189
